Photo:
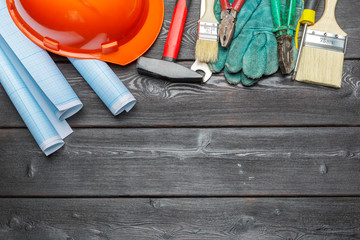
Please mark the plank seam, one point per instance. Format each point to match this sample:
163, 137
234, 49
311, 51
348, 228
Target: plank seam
184, 196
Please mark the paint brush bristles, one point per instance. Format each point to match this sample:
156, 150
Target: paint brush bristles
207, 46
320, 66
206, 51
322, 57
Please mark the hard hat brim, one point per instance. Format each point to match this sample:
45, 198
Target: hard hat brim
125, 53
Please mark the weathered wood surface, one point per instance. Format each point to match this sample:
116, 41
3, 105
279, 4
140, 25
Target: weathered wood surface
346, 14
279, 139
276, 101
202, 218
185, 162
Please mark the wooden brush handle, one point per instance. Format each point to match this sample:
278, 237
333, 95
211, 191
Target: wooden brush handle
330, 6
209, 15
327, 22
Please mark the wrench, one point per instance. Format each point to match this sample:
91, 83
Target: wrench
202, 66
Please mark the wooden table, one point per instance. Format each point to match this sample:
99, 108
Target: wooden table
280, 160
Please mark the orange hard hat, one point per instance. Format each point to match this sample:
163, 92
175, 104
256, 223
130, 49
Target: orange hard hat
117, 31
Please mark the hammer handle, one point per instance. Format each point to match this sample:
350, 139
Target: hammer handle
173, 41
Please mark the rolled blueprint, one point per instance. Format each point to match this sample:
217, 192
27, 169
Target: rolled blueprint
34, 117
46, 105
106, 84
40, 66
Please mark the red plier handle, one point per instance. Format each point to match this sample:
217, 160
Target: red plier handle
236, 5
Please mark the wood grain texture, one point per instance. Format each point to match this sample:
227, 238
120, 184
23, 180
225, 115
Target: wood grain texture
346, 15
190, 183
185, 162
275, 101
150, 219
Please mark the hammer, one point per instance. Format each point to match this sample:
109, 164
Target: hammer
166, 68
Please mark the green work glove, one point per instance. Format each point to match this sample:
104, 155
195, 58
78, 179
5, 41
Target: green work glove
253, 52
244, 15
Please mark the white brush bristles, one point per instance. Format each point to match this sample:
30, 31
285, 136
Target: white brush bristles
320, 66
206, 50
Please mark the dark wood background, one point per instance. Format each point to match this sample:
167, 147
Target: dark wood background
280, 160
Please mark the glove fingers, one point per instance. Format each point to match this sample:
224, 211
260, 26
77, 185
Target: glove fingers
232, 78
255, 57
272, 63
236, 78
247, 82
245, 14
234, 62
220, 62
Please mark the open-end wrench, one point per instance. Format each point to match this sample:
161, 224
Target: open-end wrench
202, 66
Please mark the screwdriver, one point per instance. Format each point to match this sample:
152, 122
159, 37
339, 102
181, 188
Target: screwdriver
308, 19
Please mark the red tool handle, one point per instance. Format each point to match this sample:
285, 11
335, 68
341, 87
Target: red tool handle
225, 5
173, 41
237, 5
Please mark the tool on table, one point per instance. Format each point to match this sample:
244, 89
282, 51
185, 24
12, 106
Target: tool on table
323, 51
117, 31
228, 19
166, 68
202, 66
284, 28
207, 46
253, 50
308, 19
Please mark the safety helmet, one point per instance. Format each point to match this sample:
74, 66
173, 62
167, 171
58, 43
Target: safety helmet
117, 31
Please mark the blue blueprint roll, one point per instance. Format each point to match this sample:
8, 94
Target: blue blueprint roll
34, 117
40, 67
106, 84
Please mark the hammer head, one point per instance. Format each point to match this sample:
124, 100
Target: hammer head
166, 70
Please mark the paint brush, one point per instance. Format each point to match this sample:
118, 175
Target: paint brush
322, 56
308, 19
207, 46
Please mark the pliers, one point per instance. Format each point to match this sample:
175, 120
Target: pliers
229, 14
284, 28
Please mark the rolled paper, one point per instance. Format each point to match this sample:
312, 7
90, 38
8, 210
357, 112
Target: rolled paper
61, 126
40, 66
32, 114
106, 84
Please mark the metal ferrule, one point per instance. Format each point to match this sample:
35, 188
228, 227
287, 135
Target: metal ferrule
208, 31
324, 40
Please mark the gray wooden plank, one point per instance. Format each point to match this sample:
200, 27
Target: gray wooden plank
275, 101
185, 162
224, 218
346, 13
